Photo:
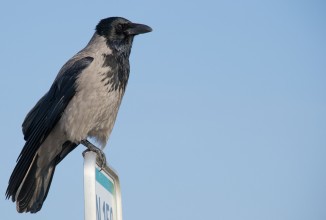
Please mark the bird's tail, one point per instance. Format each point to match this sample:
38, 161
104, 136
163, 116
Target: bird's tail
30, 181
29, 189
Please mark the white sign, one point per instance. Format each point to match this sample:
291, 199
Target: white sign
105, 200
102, 191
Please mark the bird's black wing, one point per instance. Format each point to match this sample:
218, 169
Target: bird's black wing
53, 103
44, 116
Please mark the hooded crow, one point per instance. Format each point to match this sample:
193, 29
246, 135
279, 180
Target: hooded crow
82, 103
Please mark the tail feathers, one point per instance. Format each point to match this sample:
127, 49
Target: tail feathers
34, 188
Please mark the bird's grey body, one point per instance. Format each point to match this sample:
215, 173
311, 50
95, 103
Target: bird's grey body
93, 110
82, 102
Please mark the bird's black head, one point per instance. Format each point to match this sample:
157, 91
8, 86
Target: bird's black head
119, 32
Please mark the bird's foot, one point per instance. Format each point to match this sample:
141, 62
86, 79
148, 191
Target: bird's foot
98, 151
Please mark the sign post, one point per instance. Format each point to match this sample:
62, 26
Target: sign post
102, 195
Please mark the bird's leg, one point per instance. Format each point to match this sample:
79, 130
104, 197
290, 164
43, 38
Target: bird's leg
98, 151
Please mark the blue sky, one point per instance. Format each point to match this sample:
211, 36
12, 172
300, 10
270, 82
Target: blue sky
223, 117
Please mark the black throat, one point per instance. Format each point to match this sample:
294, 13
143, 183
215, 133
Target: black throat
118, 74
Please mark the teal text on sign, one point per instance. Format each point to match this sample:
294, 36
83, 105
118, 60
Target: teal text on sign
104, 181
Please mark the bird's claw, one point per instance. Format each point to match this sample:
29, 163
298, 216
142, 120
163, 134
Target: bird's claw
99, 152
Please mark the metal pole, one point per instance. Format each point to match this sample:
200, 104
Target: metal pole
89, 185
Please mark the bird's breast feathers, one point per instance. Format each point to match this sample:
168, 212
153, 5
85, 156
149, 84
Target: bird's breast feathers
93, 110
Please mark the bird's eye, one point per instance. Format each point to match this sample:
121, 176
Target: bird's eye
119, 28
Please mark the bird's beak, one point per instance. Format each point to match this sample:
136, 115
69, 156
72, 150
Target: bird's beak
135, 29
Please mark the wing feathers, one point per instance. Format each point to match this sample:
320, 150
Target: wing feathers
43, 117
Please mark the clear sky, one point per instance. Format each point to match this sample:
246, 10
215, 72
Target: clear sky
224, 116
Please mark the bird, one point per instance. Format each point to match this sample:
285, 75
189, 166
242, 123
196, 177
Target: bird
82, 103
